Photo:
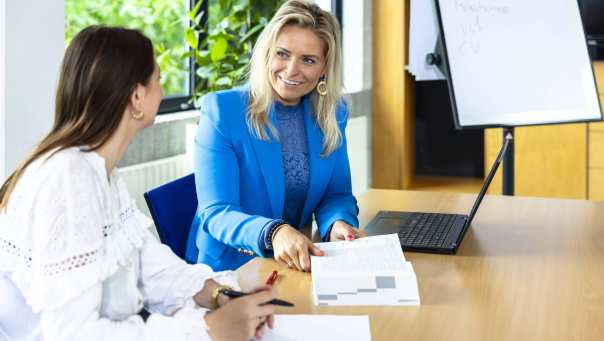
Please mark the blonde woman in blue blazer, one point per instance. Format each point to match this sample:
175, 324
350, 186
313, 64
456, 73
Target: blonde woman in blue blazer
273, 153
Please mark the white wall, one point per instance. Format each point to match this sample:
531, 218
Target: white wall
356, 43
2, 89
367, 45
358, 153
33, 48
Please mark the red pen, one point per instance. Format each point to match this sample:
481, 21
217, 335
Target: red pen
272, 278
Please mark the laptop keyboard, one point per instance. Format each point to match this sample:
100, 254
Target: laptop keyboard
426, 230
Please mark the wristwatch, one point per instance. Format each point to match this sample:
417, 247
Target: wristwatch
215, 293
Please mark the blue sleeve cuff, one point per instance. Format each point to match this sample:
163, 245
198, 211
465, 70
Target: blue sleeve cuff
326, 238
265, 234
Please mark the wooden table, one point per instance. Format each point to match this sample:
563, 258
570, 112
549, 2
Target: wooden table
528, 269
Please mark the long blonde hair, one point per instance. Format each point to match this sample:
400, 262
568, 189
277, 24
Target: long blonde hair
326, 27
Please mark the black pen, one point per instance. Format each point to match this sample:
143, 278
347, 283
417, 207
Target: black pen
235, 293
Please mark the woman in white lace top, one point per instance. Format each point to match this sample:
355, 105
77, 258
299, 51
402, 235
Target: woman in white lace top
77, 259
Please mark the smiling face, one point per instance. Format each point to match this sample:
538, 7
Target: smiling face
297, 63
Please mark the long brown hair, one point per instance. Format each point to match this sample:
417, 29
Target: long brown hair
100, 70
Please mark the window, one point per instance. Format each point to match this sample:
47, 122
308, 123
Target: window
356, 41
223, 43
334, 6
163, 21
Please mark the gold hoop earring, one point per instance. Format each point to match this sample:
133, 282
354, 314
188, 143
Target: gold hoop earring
137, 115
322, 88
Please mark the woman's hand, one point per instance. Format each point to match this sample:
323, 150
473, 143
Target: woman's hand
342, 231
203, 297
292, 248
242, 318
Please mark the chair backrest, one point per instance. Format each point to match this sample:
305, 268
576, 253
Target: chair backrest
173, 206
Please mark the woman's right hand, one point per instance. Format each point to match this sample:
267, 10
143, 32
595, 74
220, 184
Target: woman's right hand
242, 318
293, 248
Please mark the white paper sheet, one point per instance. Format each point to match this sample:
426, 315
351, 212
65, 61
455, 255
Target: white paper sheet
319, 327
367, 271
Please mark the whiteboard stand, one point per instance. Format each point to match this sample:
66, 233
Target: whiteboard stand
436, 59
508, 162
498, 59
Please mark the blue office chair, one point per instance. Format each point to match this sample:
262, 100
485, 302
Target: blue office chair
173, 206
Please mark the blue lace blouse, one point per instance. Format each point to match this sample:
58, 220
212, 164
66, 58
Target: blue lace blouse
294, 152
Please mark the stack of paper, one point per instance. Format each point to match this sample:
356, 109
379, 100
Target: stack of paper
319, 327
366, 271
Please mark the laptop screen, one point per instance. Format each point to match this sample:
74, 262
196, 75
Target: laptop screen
490, 176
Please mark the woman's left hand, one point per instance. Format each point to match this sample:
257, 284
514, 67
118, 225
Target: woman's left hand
342, 231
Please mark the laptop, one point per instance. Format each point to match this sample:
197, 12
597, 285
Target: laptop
432, 232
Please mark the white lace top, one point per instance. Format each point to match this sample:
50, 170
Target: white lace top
83, 263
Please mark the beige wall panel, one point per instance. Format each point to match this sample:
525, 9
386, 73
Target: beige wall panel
389, 93
551, 161
493, 138
596, 149
596, 184
598, 126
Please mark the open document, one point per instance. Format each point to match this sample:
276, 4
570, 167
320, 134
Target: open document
319, 327
366, 271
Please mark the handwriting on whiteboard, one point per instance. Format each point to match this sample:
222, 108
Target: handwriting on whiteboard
476, 11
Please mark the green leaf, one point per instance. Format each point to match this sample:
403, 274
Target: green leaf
224, 23
227, 66
195, 9
203, 58
242, 6
205, 71
225, 4
223, 56
218, 49
251, 32
223, 81
191, 38
186, 54
196, 18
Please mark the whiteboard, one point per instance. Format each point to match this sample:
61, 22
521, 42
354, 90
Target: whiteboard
423, 36
517, 62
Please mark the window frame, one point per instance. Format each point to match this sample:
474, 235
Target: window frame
177, 103
336, 9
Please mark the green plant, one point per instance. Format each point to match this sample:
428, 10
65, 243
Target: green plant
223, 55
163, 21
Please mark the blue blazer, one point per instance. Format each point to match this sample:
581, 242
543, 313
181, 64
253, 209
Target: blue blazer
241, 186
